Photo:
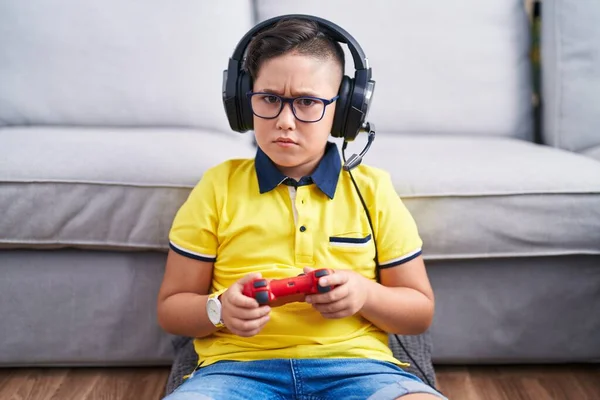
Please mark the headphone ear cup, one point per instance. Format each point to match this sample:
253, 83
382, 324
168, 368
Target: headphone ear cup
243, 103
358, 105
341, 107
230, 96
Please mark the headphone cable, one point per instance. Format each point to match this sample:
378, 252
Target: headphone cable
377, 267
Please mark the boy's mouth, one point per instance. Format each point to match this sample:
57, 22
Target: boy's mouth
285, 141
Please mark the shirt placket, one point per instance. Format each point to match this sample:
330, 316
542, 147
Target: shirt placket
304, 247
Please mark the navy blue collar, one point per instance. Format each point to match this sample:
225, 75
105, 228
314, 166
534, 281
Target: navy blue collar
325, 176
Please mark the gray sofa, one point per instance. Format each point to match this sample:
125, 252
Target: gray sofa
110, 111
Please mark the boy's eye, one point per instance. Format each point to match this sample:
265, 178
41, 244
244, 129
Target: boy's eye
305, 102
270, 99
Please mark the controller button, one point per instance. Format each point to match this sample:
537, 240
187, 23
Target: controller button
262, 297
259, 284
321, 273
322, 289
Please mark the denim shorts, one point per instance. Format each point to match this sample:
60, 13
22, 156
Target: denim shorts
300, 379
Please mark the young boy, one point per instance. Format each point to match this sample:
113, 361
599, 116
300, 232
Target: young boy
288, 211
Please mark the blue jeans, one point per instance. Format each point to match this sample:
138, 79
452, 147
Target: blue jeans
300, 379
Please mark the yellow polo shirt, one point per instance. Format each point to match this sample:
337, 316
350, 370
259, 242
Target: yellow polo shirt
245, 216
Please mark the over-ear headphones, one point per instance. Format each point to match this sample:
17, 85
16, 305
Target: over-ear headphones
355, 94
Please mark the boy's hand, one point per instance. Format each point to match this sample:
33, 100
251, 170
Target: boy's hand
241, 314
345, 300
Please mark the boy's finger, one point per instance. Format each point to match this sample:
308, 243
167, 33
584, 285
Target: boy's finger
250, 325
306, 270
239, 299
332, 308
339, 278
252, 314
335, 295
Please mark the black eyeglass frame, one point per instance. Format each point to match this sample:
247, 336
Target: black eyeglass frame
290, 100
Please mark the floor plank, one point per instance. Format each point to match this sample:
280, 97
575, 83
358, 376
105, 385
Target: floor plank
150, 384
76, 384
16, 384
47, 383
545, 382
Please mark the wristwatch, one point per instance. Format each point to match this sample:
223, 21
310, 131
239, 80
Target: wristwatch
213, 309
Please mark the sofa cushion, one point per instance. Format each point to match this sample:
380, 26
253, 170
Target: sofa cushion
571, 73
594, 152
113, 62
102, 188
425, 55
477, 197
471, 197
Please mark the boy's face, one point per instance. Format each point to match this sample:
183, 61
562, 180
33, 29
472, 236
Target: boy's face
296, 146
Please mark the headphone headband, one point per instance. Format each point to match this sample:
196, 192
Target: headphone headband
332, 30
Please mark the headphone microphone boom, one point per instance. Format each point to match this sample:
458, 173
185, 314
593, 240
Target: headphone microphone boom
355, 160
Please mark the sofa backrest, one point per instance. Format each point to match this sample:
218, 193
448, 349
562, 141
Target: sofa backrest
117, 63
571, 74
440, 67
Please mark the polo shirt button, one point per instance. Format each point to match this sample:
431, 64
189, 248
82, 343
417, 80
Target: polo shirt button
302, 228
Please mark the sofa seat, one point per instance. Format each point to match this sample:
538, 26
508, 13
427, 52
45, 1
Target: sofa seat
492, 197
102, 189
472, 197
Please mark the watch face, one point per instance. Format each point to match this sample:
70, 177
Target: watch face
214, 311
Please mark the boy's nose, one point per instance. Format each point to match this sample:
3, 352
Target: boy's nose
286, 119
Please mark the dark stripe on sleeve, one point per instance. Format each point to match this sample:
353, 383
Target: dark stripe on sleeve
401, 261
189, 255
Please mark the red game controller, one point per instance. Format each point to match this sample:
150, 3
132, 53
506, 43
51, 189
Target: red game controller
268, 291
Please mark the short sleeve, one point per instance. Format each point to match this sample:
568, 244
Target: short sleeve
194, 230
398, 239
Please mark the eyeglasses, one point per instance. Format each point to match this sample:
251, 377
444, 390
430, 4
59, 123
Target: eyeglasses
305, 108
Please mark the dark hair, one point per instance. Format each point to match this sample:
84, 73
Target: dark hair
298, 35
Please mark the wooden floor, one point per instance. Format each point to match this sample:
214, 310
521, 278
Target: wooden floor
580, 382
